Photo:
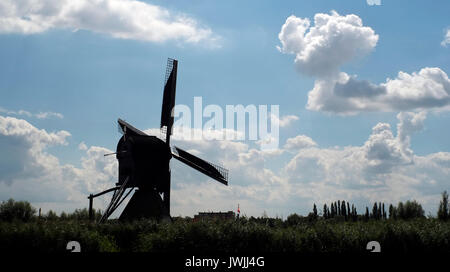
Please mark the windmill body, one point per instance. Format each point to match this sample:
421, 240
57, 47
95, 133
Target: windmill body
144, 164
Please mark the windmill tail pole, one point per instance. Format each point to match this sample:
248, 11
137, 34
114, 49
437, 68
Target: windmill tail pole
91, 214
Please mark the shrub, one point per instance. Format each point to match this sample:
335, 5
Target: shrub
407, 211
16, 210
293, 219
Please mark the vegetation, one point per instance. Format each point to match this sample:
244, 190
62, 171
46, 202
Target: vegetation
338, 228
16, 210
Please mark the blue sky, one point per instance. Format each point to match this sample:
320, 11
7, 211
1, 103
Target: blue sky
89, 68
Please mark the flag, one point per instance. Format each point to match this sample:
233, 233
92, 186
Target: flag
239, 211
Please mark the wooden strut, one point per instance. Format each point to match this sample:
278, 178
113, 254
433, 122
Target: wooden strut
115, 201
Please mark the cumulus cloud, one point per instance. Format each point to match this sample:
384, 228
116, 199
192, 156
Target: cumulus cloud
28, 171
320, 50
299, 142
446, 40
10, 126
124, 19
428, 89
23, 147
332, 41
382, 151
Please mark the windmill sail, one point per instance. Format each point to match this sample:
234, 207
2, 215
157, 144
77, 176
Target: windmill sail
211, 170
170, 85
126, 128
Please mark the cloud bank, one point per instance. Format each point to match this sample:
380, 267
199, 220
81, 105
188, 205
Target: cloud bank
123, 19
384, 168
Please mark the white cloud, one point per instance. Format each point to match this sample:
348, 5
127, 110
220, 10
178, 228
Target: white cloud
23, 147
46, 115
10, 126
382, 151
409, 123
40, 115
285, 120
332, 41
124, 19
428, 89
446, 40
373, 2
299, 142
82, 146
29, 172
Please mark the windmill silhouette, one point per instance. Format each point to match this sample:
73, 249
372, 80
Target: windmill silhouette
144, 164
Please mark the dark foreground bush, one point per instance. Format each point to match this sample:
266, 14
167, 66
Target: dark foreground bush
53, 237
395, 236
345, 237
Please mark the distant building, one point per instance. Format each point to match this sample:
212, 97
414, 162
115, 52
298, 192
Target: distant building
215, 215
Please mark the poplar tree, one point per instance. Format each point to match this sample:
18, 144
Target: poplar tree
391, 212
380, 211
339, 207
343, 209
374, 211
443, 213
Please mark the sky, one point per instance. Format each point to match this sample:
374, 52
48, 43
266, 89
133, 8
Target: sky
362, 88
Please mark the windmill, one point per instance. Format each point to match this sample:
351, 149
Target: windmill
144, 164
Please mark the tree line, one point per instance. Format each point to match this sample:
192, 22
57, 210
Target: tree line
339, 210
12, 210
409, 210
